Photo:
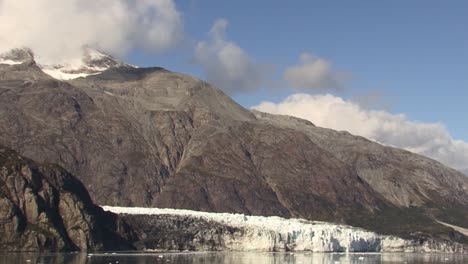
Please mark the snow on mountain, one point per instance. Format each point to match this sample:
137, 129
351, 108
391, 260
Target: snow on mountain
280, 234
93, 62
9, 62
16, 56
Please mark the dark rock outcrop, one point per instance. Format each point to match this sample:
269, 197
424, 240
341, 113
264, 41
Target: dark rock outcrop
150, 137
178, 233
44, 208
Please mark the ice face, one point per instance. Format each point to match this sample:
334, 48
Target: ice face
279, 234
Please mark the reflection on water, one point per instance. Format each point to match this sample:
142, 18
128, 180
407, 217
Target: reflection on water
229, 258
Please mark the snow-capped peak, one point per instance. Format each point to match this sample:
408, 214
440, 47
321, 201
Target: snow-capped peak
92, 62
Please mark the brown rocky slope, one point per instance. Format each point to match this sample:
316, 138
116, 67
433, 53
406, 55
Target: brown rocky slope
44, 208
150, 137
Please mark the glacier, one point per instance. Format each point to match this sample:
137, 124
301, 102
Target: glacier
259, 233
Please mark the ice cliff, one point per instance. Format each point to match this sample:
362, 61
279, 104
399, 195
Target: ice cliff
173, 229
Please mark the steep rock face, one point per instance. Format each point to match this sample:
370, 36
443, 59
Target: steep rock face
150, 137
262, 170
44, 208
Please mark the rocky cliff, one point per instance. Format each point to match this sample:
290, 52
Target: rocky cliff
44, 208
150, 137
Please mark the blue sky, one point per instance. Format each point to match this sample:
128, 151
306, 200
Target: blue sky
414, 54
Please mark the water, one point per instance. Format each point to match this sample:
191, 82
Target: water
229, 258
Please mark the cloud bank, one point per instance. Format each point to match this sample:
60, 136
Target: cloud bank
314, 73
429, 139
57, 30
227, 65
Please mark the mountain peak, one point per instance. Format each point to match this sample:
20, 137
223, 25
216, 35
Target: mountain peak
92, 62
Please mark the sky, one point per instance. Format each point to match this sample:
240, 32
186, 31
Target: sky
393, 71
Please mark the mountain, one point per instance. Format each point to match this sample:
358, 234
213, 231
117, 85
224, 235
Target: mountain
155, 138
44, 208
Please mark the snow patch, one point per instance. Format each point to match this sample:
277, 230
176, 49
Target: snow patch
460, 229
61, 75
95, 55
10, 62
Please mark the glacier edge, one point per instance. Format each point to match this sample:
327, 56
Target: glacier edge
259, 233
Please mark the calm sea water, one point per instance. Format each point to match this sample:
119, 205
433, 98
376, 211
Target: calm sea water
229, 258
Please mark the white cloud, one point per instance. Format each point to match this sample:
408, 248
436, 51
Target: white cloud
57, 30
429, 139
314, 73
226, 64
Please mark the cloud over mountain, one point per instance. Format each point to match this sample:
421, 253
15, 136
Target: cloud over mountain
226, 64
429, 139
57, 30
314, 73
